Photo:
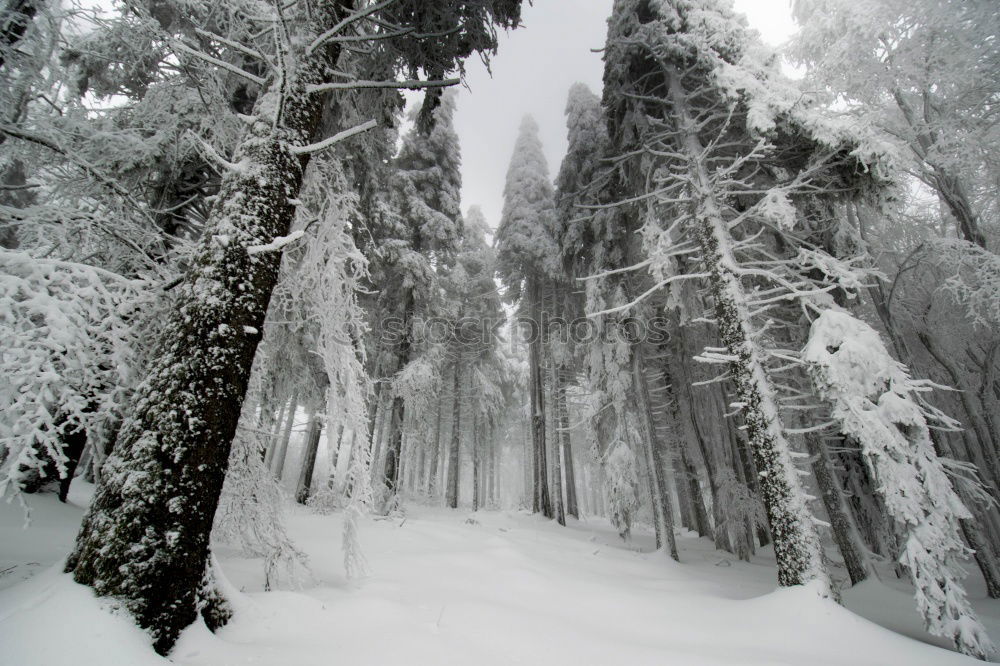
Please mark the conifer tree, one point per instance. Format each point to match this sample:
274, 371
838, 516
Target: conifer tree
145, 538
526, 257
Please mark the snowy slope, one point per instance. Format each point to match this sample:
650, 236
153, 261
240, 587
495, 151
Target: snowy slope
507, 588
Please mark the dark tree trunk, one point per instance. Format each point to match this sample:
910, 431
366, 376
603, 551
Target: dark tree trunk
432, 471
309, 458
145, 539
555, 386
563, 437
456, 440
476, 458
659, 498
394, 450
335, 454
841, 526
74, 442
541, 501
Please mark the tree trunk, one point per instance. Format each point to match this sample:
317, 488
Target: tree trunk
272, 440
335, 455
394, 449
74, 442
703, 526
541, 501
456, 431
309, 458
145, 539
281, 452
432, 481
844, 533
555, 386
572, 503
475, 460
796, 544
663, 517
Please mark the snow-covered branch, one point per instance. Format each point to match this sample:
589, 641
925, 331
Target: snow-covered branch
333, 140
409, 84
221, 64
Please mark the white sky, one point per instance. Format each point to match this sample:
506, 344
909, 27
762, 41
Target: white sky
532, 73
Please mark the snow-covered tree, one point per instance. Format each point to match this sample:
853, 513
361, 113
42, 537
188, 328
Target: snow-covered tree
925, 71
526, 255
145, 538
878, 403
69, 358
719, 146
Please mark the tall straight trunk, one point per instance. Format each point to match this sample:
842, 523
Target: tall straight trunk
456, 440
309, 457
528, 463
541, 501
663, 517
394, 450
432, 480
572, 501
272, 440
145, 539
796, 543
555, 384
394, 445
476, 460
684, 506
702, 524
844, 532
383, 411
419, 468
281, 452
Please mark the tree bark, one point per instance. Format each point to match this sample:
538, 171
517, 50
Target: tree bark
663, 518
309, 458
541, 501
572, 504
555, 387
456, 440
145, 539
844, 533
432, 481
475, 460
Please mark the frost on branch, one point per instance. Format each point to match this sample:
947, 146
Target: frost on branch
975, 282
67, 359
251, 516
875, 400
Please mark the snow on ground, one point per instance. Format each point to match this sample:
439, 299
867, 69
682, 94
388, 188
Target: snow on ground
448, 587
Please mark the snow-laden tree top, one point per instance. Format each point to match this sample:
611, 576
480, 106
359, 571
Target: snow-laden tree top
428, 181
525, 240
711, 48
587, 137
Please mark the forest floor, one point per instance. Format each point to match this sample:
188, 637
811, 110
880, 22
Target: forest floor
452, 587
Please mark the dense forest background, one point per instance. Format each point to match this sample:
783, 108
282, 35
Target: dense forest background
235, 268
